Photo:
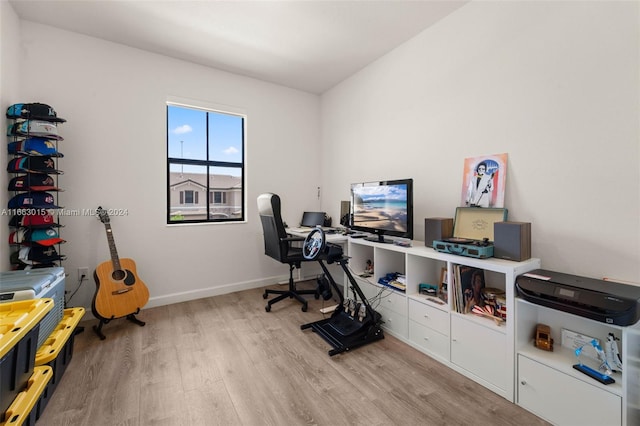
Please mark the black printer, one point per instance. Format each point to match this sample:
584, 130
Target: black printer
604, 301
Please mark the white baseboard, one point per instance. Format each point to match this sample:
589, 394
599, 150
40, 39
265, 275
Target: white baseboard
209, 292
186, 296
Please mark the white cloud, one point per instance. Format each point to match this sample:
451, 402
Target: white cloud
185, 128
230, 150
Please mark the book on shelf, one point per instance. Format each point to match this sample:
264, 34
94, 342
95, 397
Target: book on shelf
394, 280
467, 288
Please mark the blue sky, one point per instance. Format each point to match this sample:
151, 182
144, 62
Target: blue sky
187, 135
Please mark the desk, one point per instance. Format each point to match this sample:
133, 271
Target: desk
337, 238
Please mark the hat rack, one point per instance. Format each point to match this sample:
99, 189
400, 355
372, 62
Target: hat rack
34, 193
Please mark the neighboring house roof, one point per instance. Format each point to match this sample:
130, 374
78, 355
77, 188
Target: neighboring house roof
216, 182
189, 182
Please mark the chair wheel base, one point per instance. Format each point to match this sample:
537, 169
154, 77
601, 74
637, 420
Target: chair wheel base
290, 293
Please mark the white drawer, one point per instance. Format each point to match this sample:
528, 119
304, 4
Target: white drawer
562, 399
394, 322
429, 340
394, 301
429, 316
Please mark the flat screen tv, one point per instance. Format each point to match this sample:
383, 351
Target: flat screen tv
383, 208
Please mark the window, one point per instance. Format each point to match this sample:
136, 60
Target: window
188, 197
205, 165
219, 197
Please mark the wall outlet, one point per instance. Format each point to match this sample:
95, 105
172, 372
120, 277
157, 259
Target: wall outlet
83, 272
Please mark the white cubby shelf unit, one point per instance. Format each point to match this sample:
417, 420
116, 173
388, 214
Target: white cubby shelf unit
475, 346
549, 386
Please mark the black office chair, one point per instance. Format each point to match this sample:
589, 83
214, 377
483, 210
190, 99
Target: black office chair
279, 245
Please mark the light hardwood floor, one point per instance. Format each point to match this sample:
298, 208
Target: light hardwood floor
225, 361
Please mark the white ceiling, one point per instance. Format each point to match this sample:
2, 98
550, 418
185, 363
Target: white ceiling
309, 45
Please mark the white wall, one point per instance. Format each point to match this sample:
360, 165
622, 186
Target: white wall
553, 84
9, 82
115, 156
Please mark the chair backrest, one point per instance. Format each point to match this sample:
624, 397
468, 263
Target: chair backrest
272, 227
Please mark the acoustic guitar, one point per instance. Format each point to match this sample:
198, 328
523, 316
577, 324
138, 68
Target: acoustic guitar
119, 290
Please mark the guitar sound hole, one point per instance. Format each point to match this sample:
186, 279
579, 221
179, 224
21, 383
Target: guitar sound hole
118, 275
126, 275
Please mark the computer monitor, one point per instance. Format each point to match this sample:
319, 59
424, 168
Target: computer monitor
383, 208
312, 219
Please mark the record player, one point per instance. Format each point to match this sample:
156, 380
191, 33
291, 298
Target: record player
472, 232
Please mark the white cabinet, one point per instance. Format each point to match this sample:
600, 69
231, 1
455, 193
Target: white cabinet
474, 346
549, 386
565, 400
482, 350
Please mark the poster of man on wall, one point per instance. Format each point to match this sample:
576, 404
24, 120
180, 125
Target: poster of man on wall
483, 181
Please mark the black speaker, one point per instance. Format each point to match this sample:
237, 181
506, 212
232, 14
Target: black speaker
345, 207
437, 228
512, 240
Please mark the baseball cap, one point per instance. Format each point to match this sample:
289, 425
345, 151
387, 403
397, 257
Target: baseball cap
34, 146
44, 220
36, 254
43, 237
34, 111
33, 182
38, 128
42, 164
18, 237
33, 200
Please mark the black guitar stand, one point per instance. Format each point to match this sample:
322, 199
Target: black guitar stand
350, 326
103, 321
